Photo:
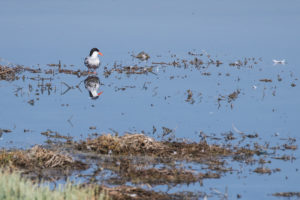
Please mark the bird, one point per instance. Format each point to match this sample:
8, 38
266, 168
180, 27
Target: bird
92, 84
92, 61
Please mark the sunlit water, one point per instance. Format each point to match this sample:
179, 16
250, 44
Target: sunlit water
38, 33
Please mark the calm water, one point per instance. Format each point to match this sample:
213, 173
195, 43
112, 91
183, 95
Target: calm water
38, 33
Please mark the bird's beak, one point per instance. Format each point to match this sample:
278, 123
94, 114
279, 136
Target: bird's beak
100, 53
100, 93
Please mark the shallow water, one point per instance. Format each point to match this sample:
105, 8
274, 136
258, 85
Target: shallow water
38, 33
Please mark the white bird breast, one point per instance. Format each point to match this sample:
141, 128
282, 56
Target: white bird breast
93, 61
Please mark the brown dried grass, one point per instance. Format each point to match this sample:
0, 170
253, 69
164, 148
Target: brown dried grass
127, 144
139, 144
38, 158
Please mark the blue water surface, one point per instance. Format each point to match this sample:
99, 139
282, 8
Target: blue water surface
36, 33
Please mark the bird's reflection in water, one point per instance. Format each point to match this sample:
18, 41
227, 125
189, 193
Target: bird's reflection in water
92, 84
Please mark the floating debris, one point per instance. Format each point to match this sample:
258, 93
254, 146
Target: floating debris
139, 144
5, 131
190, 98
7, 73
265, 80
263, 170
290, 147
166, 131
129, 70
276, 62
284, 157
38, 158
31, 102
128, 192
56, 135
127, 170
143, 56
286, 194
195, 54
236, 63
233, 96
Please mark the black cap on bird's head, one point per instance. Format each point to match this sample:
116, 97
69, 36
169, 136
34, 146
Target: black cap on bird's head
95, 49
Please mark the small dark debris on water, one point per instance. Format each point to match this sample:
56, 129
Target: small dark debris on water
237, 63
132, 69
92, 128
286, 194
252, 135
229, 136
53, 65
56, 135
279, 78
290, 147
218, 63
206, 73
78, 73
196, 62
31, 102
190, 98
276, 170
266, 80
153, 129
284, 157
5, 130
166, 131
293, 85
195, 54
233, 96
263, 170
262, 161
143, 56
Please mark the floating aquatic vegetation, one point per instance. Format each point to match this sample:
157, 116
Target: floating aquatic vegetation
55, 134
127, 192
38, 160
127, 169
286, 194
5, 131
7, 73
143, 56
266, 80
129, 143
132, 69
231, 97
190, 98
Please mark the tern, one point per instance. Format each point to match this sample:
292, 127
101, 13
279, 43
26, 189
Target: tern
92, 61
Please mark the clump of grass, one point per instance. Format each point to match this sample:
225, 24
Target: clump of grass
12, 186
38, 158
139, 144
129, 143
40, 162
